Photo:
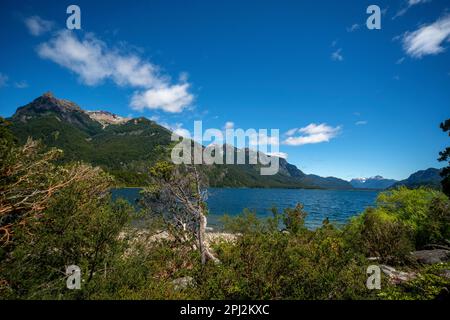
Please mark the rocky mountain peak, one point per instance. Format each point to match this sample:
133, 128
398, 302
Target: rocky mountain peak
107, 118
46, 103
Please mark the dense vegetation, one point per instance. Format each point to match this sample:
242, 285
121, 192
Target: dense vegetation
53, 215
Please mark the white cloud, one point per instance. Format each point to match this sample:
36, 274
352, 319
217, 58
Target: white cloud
291, 132
38, 26
354, 27
283, 155
313, 133
172, 99
361, 123
337, 55
428, 39
3, 80
94, 62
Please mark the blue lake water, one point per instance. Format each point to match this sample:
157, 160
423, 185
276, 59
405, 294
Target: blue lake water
336, 205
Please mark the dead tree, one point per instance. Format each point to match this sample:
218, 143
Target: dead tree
178, 194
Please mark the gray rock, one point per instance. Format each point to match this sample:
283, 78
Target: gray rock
183, 283
432, 256
445, 274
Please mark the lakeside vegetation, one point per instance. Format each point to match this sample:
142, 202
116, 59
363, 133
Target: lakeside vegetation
55, 214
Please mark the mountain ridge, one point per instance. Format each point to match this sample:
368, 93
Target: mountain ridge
429, 177
377, 182
125, 146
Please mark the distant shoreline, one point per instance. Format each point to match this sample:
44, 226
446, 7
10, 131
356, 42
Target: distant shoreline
266, 188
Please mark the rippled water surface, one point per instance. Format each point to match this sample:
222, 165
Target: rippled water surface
336, 205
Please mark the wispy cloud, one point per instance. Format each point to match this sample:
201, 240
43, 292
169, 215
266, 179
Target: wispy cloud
291, 132
313, 133
169, 98
94, 62
353, 27
400, 61
428, 39
337, 55
283, 155
407, 5
361, 123
21, 84
3, 80
38, 26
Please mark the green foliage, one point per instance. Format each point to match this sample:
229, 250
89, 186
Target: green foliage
436, 227
404, 219
293, 218
79, 227
123, 150
53, 216
75, 222
409, 205
264, 263
377, 234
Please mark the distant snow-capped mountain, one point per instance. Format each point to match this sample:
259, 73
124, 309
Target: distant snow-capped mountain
377, 182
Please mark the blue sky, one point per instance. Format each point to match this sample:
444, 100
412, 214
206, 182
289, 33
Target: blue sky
364, 102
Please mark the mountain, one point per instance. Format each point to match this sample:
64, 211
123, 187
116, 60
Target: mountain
127, 147
377, 182
430, 178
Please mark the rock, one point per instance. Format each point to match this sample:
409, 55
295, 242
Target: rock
445, 274
397, 277
183, 283
432, 256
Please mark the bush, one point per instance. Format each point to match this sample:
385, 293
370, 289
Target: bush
414, 207
265, 263
402, 221
377, 234
79, 227
436, 228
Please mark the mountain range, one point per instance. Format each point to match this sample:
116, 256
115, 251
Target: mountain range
377, 182
126, 147
430, 177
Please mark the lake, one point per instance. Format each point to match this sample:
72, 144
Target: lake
336, 205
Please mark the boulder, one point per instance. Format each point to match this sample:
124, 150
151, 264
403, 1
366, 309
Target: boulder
183, 283
432, 256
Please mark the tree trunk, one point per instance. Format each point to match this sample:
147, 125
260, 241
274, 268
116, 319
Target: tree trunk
205, 251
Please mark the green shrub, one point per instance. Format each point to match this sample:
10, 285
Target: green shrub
402, 221
377, 234
265, 263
